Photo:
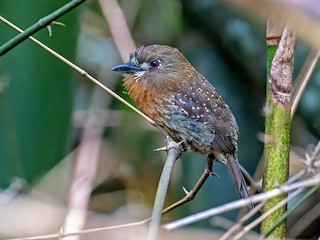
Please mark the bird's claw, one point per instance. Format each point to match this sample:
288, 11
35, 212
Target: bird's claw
171, 144
161, 149
212, 173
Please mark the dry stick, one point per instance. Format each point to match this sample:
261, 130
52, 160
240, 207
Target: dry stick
92, 230
199, 216
190, 195
246, 217
83, 177
91, 139
303, 79
299, 201
251, 213
174, 151
268, 213
305, 221
81, 71
242, 203
118, 27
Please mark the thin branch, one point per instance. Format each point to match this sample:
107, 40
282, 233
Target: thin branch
257, 221
238, 225
81, 71
85, 171
174, 151
304, 221
92, 230
303, 79
118, 27
292, 208
199, 216
42, 23
242, 203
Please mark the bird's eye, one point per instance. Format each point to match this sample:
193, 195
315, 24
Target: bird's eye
155, 63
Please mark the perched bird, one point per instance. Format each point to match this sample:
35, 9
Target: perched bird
184, 104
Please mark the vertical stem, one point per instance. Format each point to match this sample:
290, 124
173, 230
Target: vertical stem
174, 151
278, 113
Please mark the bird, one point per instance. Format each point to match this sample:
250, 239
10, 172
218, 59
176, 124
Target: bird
185, 106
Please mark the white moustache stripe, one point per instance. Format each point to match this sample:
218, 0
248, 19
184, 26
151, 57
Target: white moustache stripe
138, 75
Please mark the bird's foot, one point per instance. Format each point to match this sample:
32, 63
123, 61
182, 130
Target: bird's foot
213, 173
171, 144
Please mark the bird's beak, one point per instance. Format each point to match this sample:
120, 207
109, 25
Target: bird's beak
127, 68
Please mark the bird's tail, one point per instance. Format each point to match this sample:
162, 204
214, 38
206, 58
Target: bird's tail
237, 177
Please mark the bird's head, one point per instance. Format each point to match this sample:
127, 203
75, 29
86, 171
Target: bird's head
156, 67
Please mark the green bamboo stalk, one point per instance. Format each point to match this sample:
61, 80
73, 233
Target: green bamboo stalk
301, 200
278, 120
42, 23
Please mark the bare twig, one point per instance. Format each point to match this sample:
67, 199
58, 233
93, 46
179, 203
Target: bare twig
174, 151
92, 230
257, 221
118, 27
85, 171
305, 221
81, 71
242, 203
292, 208
303, 15
238, 225
303, 79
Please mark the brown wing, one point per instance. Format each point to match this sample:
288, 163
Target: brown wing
201, 102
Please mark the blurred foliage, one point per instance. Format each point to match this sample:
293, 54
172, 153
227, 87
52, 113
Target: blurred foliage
38, 95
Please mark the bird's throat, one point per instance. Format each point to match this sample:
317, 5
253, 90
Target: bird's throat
146, 99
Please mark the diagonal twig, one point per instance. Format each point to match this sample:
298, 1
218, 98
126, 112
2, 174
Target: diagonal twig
303, 79
81, 71
242, 203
